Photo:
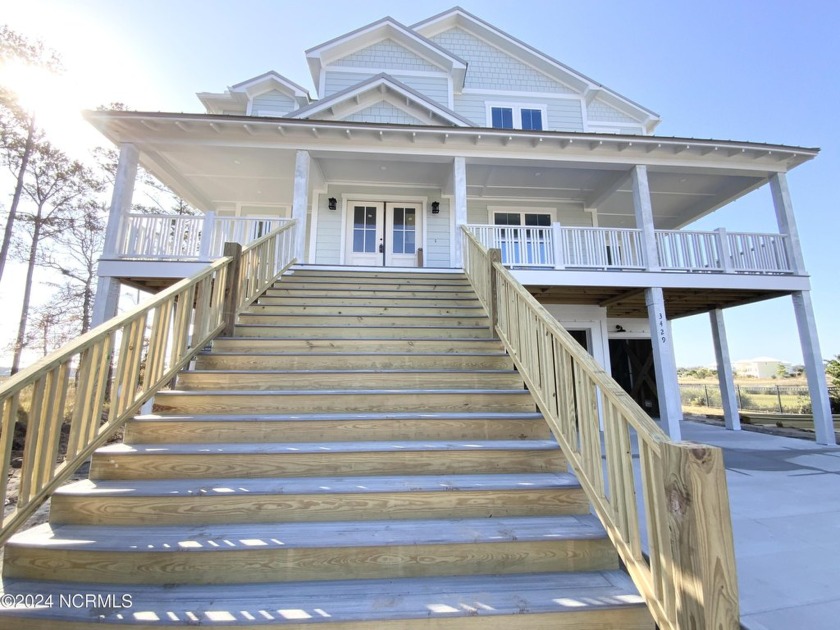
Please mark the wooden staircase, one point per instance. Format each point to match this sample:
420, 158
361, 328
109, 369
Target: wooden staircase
360, 453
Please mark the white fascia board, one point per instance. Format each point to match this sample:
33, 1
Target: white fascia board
387, 28
529, 55
216, 103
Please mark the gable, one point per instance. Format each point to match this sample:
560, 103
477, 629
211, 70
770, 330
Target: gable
272, 103
383, 112
386, 55
489, 67
599, 111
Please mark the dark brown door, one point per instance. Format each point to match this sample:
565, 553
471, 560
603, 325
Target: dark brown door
632, 367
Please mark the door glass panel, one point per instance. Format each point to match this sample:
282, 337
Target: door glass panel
543, 220
405, 226
364, 229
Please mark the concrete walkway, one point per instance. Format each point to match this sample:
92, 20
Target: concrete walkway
785, 498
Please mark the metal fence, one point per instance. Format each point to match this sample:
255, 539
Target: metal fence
769, 398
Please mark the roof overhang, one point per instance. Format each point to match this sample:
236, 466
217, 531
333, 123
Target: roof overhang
322, 55
272, 81
207, 158
459, 18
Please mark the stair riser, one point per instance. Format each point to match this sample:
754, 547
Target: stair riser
273, 563
431, 401
352, 362
326, 345
378, 311
356, 330
198, 510
348, 380
316, 274
428, 294
392, 301
402, 321
395, 284
194, 431
250, 465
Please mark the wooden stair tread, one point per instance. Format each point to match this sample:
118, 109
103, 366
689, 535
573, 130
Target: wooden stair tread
349, 600
316, 485
326, 447
232, 353
342, 392
333, 534
296, 417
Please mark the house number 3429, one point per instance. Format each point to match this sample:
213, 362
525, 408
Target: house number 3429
661, 324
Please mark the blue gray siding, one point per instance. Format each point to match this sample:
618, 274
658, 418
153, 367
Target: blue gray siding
383, 112
569, 214
386, 55
434, 88
272, 103
490, 68
599, 111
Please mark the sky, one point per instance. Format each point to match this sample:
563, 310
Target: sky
723, 69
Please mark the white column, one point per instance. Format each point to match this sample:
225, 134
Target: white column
459, 186
644, 215
300, 202
726, 380
664, 363
786, 220
814, 368
108, 288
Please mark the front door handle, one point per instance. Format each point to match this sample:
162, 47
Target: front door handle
381, 247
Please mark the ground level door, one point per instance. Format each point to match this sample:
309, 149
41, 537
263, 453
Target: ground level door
632, 367
383, 234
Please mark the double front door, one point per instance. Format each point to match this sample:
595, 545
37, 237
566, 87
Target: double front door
383, 233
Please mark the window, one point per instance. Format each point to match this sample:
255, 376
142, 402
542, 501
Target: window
526, 239
527, 117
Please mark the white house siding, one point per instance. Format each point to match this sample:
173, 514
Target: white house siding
272, 103
383, 112
490, 68
329, 237
386, 55
564, 114
599, 111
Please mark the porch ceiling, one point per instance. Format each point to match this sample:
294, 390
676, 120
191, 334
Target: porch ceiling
212, 160
630, 302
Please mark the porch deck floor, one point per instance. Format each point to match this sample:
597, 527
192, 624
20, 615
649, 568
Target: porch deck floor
785, 500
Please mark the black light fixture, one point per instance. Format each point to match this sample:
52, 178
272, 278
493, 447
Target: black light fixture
333, 203
619, 328
436, 207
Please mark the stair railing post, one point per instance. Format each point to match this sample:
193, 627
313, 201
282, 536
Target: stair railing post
231, 288
493, 256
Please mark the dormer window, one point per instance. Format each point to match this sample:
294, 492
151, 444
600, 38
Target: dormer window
527, 117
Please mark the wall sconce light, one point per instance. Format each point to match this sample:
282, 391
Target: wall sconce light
619, 328
333, 203
436, 207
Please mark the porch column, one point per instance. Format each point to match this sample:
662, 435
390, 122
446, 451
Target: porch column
728, 396
644, 216
664, 364
459, 189
108, 287
786, 221
814, 367
300, 202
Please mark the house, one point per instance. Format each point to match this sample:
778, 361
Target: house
417, 132
761, 367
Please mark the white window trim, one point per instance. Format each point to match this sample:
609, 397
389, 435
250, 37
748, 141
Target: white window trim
492, 210
517, 112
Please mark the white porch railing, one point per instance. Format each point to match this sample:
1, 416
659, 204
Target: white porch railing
171, 237
562, 247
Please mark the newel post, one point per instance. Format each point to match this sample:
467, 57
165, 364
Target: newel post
231, 298
493, 256
700, 526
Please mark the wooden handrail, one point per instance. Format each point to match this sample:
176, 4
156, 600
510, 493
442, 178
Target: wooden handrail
97, 382
688, 578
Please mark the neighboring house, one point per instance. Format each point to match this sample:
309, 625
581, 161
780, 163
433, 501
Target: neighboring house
761, 367
420, 130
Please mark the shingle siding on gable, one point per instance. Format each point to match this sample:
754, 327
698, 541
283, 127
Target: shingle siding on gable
564, 114
272, 103
598, 111
383, 113
490, 68
386, 55
434, 88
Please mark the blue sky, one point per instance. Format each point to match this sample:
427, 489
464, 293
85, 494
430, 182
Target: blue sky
764, 72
